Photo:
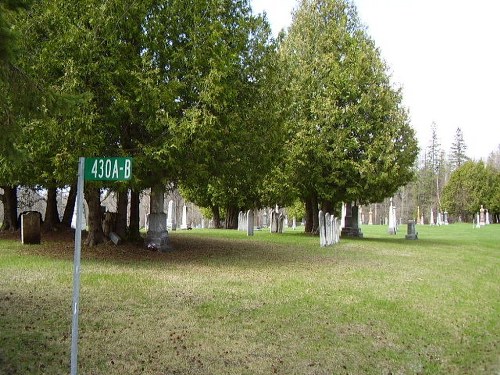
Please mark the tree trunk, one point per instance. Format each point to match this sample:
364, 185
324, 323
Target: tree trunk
69, 210
95, 235
328, 206
315, 213
121, 216
9, 200
232, 217
133, 231
309, 216
52, 219
216, 217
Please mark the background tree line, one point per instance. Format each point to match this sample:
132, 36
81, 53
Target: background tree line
453, 182
204, 99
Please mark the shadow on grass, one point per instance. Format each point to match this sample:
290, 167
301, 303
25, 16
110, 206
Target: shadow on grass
196, 248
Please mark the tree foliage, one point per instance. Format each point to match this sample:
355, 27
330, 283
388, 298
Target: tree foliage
458, 150
351, 140
470, 186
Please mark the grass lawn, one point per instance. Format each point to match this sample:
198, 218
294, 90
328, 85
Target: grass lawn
223, 303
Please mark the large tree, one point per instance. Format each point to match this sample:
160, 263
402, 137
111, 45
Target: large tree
351, 140
230, 136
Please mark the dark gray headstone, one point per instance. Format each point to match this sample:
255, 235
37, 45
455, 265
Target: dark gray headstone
30, 228
411, 233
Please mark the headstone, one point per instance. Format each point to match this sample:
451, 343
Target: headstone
445, 220
337, 230
439, 219
487, 218
203, 223
351, 224
157, 235
343, 215
274, 222
281, 220
482, 217
392, 219
322, 229
294, 223
171, 218
31, 228
411, 234
184, 218
431, 222
422, 219
328, 230
418, 215
250, 223
114, 238
285, 223
477, 221
370, 217
264, 219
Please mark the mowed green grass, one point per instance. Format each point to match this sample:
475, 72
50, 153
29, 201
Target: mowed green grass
224, 303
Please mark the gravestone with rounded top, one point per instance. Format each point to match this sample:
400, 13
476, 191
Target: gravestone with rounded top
30, 228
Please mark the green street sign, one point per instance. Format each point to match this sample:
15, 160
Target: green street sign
108, 169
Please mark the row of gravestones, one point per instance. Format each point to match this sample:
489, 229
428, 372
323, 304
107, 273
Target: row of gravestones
329, 229
245, 222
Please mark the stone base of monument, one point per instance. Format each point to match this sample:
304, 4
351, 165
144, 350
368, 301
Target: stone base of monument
157, 235
351, 232
412, 236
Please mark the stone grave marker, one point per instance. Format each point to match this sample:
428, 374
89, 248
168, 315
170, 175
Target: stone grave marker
31, 228
482, 217
171, 214
184, 224
250, 222
322, 229
411, 234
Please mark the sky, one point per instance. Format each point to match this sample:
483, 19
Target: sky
444, 54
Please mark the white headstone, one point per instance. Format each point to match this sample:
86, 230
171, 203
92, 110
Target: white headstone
250, 223
322, 229
487, 218
184, 217
482, 216
392, 219
432, 218
342, 217
171, 221
294, 223
328, 230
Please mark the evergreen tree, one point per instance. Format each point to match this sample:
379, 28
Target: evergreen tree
458, 151
350, 136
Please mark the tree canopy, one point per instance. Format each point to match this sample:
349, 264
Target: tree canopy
350, 138
203, 98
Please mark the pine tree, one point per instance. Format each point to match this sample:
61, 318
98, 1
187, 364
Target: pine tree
457, 153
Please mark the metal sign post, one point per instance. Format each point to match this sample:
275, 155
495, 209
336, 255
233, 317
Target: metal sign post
98, 169
76, 266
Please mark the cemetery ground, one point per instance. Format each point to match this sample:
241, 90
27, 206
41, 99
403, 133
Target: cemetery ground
224, 303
